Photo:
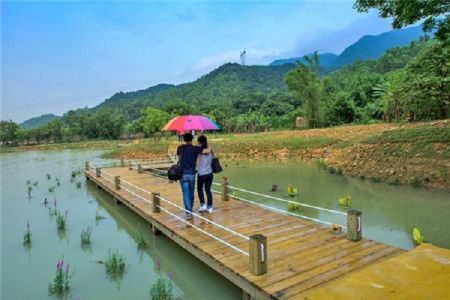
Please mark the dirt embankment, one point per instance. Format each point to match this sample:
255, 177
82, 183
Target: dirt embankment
416, 154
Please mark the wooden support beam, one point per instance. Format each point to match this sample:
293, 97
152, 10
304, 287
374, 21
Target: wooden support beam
140, 170
155, 203
354, 225
98, 172
258, 254
224, 189
117, 182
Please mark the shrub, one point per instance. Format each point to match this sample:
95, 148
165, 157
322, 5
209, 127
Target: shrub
376, 179
331, 169
416, 183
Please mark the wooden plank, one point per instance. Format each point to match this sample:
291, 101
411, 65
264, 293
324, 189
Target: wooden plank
301, 256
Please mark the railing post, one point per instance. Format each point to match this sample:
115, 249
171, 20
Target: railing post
122, 162
354, 225
155, 203
258, 254
130, 166
224, 189
86, 166
98, 172
117, 182
140, 169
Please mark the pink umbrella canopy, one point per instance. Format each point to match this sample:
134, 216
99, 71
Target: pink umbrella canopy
189, 123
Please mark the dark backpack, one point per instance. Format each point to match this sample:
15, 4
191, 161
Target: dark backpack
215, 164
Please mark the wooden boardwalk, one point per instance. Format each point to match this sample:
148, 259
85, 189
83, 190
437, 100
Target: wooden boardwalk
301, 255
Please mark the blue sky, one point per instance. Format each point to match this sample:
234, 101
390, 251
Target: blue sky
62, 55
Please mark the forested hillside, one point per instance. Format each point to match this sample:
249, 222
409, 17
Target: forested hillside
405, 84
39, 121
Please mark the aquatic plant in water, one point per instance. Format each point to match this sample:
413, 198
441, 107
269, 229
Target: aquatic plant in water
345, 201
61, 221
35, 183
61, 283
162, 288
29, 191
141, 242
28, 182
51, 189
27, 236
98, 217
417, 236
86, 236
48, 176
115, 265
78, 184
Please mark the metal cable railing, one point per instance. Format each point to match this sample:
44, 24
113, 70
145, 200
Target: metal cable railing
123, 182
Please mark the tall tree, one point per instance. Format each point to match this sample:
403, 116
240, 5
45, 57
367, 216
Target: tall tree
8, 131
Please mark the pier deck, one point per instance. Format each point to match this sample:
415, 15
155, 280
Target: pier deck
301, 256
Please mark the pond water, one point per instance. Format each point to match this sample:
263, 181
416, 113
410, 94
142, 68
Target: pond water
389, 214
26, 273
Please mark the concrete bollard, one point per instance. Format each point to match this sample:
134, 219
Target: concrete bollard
140, 170
155, 203
117, 182
354, 225
224, 189
258, 254
98, 172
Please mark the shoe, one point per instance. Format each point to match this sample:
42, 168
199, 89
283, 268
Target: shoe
189, 216
202, 208
210, 210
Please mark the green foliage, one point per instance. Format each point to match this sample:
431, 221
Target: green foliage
417, 236
140, 240
162, 289
38, 121
154, 120
406, 12
27, 236
115, 265
61, 221
61, 284
86, 236
98, 217
304, 81
8, 132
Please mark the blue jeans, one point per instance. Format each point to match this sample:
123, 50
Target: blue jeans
187, 183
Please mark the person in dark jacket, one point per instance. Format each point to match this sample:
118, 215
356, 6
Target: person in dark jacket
187, 154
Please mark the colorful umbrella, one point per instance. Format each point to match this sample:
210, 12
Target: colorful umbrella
190, 122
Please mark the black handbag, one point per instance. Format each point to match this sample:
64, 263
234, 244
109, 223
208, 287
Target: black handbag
215, 164
175, 172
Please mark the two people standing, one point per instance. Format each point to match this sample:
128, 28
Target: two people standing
188, 155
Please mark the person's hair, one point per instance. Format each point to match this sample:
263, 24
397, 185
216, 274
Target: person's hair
188, 137
203, 141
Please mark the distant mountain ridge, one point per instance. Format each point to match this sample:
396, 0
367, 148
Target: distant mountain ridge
38, 121
367, 47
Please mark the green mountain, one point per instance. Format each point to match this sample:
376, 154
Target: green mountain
221, 87
373, 46
366, 48
39, 121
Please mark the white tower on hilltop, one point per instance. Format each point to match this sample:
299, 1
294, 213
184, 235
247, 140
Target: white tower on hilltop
243, 56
